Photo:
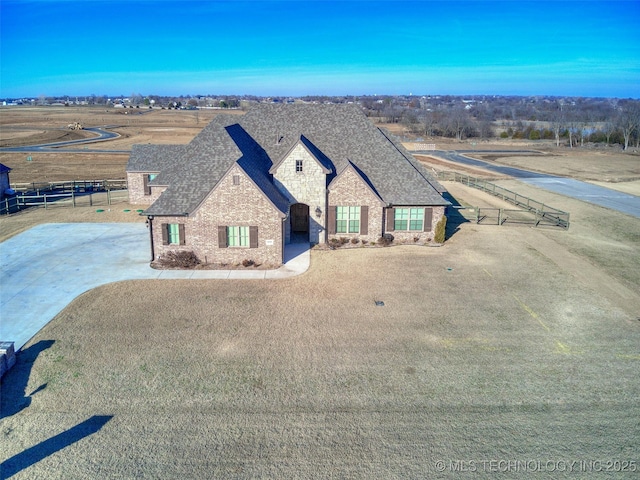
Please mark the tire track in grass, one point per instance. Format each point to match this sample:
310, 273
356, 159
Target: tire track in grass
561, 348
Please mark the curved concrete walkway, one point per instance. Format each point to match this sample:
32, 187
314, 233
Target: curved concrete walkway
43, 269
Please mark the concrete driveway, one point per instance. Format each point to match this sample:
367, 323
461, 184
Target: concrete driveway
43, 269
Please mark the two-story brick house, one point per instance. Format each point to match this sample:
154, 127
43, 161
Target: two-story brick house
246, 186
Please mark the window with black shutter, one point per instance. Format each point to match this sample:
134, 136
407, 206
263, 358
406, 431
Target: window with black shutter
428, 219
253, 237
364, 220
222, 236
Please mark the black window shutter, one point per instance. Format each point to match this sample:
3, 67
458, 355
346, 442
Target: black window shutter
222, 236
364, 220
147, 188
428, 219
331, 220
253, 237
391, 217
181, 233
165, 233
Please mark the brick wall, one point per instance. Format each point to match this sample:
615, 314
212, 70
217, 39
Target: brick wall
419, 237
229, 205
308, 186
349, 190
137, 193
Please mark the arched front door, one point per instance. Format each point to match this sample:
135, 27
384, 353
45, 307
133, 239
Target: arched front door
299, 217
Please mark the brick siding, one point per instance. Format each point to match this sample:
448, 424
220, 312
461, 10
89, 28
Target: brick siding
137, 193
349, 190
419, 237
229, 205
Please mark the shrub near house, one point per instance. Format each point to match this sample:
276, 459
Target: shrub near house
245, 187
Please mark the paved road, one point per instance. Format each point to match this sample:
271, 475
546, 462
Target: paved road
604, 197
102, 132
43, 269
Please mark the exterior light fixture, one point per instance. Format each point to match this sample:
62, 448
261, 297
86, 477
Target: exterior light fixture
318, 212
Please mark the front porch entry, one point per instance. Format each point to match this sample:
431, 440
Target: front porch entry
299, 218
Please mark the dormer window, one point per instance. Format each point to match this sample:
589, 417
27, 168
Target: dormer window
298, 166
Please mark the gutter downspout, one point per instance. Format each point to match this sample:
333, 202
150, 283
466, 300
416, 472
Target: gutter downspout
153, 254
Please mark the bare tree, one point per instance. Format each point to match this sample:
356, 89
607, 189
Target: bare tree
457, 123
429, 121
557, 123
607, 129
628, 120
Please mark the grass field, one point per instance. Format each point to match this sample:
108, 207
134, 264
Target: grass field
508, 350
485, 350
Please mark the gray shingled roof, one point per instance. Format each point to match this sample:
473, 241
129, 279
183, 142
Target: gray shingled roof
336, 134
152, 158
195, 170
343, 133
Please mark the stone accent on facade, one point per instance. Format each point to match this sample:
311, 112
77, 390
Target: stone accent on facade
307, 186
229, 204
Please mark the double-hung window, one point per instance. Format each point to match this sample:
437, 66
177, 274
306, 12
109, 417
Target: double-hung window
347, 219
238, 236
174, 233
411, 219
416, 218
401, 218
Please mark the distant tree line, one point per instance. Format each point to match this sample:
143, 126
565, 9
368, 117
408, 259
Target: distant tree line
573, 121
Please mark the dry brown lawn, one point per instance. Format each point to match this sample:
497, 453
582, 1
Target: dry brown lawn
611, 166
507, 344
496, 346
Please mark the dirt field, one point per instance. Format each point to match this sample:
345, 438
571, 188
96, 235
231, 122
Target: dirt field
508, 350
34, 125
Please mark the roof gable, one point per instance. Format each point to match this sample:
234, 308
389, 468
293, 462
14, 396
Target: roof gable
195, 171
350, 167
322, 160
343, 133
336, 136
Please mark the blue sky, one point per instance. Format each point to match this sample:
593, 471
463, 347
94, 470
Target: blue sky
349, 47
